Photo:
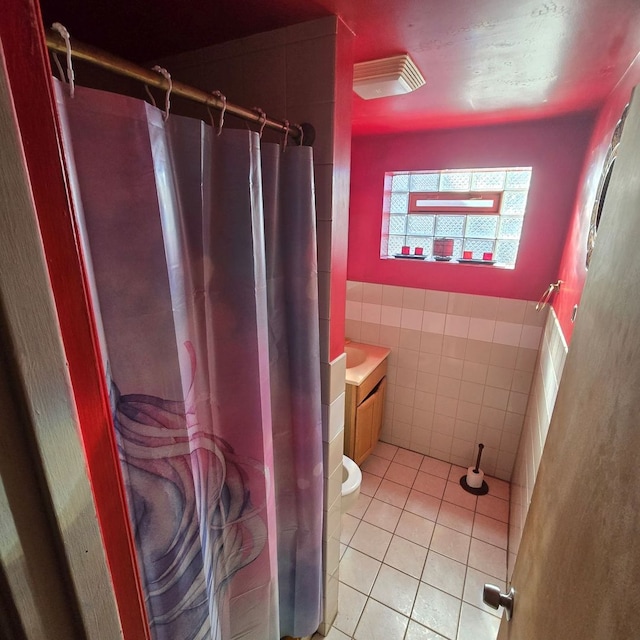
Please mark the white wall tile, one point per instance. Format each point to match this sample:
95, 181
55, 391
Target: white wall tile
371, 312
352, 329
410, 339
485, 307
448, 387
451, 367
336, 372
465, 430
507, 333
474, 372
500, 377
408, 358
535, 424
454, 347
369, 333
469, 411
436, 301
413, 298
392, 296
372, 293
496, 398
433, 322
518, 402
457, 326
389, 336
481, 329
460, 304
390, 316
511, 310
335, 418
353, 310
354, 291
411, 319
472, 392
446, 406
530, 337
406, 377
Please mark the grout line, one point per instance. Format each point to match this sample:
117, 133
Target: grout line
428, 549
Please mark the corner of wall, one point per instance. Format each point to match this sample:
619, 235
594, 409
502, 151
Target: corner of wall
546, 380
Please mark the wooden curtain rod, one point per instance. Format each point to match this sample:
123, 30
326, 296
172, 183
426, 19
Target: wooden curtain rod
122, 67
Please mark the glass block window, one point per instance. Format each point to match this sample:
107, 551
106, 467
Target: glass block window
397, 225
450, 226
480, 235
423, 225
400, 182
455, 181
514, 203
399, 202
478, 246
396, 243
481, 226
488, 180
425, 182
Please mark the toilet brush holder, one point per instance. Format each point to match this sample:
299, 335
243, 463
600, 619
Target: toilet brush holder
473, 481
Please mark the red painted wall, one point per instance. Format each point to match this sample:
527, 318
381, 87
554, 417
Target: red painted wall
572, 268
555, 148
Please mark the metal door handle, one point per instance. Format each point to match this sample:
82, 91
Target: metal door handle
491, 596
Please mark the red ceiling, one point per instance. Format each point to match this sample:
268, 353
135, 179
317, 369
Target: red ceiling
484, 60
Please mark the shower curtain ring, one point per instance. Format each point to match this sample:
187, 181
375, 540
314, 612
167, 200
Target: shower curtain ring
61, 29
286, 135
219, 95
262, 120
167, 101
153, 100
301, 130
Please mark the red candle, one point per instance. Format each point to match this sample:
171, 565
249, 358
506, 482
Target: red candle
406, 251
467, 255
487, 256
418, 251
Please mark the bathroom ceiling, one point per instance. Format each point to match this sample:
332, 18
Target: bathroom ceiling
484, 60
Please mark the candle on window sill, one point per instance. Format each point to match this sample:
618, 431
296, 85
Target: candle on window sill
418, 251
467, 255
406, 251
487, 256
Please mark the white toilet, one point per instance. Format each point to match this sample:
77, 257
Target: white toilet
351, 481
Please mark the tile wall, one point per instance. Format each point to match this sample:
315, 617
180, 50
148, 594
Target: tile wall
546, 378
460, 369
333, 396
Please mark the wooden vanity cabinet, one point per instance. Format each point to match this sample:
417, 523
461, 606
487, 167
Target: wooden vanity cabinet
364, 411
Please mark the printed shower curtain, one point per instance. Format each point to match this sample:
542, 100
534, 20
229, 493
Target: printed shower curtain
202, 259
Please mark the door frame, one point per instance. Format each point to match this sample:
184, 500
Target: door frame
29, 76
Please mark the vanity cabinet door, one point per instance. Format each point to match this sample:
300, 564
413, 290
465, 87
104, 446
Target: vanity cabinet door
378, 411
364, 429
368, 423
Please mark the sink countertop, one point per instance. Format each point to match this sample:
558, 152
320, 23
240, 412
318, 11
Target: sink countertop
374, 355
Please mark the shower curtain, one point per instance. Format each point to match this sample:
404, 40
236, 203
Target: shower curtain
201, 256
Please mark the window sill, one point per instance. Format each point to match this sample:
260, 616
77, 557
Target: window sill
461, 261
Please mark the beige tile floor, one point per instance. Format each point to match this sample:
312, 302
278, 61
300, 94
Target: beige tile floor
416, 551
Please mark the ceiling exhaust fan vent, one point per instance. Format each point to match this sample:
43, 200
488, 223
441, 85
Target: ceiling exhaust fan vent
386, 77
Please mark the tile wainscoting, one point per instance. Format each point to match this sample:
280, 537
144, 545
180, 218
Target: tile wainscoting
460, 369
333, 379
546, 379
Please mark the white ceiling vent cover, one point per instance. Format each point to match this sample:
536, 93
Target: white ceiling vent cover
386, 77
